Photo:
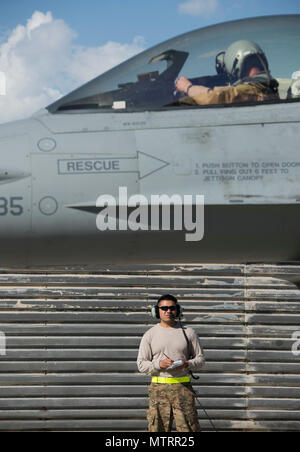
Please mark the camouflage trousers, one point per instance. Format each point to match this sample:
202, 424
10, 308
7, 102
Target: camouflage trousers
172, 401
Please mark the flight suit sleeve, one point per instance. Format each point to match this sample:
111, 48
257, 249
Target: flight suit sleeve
145, 362
198, 361
227, 95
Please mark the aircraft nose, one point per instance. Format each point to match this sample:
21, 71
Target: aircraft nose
15, 146
10, 175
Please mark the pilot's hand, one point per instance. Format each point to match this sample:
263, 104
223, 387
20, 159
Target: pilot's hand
165, 363
183, 84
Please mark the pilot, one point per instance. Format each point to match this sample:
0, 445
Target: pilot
249, 80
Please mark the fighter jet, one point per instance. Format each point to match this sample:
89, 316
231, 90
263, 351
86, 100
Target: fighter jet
131, 168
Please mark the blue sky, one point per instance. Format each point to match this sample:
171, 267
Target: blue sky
98, 21
49, 47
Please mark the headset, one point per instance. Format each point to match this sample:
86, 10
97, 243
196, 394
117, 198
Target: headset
155, 309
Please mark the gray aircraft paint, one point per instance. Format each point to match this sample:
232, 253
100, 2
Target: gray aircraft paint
243, 159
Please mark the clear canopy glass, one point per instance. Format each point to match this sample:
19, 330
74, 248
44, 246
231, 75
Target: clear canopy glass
147, 81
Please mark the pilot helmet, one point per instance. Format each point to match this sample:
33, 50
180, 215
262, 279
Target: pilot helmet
237, 55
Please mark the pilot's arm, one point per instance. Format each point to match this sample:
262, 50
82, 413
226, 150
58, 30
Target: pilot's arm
185, 86
201, 95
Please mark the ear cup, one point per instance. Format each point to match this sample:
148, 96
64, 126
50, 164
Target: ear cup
155, 312
179, 310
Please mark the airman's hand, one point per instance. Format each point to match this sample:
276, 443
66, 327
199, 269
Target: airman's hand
184, 365
165, 363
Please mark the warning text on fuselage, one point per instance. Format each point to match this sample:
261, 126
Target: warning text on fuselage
89, 166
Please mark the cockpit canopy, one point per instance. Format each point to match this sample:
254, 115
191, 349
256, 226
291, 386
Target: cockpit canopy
147, 81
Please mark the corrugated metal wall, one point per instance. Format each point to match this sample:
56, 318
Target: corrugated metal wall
72, 338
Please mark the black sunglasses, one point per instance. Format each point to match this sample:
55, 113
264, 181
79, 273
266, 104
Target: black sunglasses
165, 308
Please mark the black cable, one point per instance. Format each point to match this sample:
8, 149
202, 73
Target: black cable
202, 408
195, 378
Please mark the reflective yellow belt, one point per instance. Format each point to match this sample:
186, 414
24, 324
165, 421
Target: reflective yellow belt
170, 379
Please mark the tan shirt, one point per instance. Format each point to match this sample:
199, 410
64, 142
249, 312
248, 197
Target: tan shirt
171, 341
231, 94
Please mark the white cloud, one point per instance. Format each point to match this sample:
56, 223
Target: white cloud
38, 19
41, 62
90, 62
198, 7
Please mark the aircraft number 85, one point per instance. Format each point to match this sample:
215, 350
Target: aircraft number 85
11, 205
